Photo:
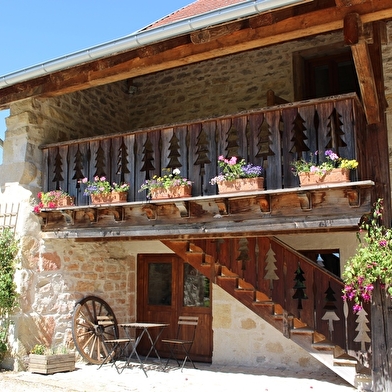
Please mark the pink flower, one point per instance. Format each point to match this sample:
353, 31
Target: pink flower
357, 308
233, 161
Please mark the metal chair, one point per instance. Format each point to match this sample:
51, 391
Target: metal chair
183, 342
114, 348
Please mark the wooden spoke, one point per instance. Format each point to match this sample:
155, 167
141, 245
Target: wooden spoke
88, 334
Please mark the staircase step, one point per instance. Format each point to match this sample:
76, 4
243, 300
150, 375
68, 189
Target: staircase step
194, 248
247, 297
263, 298
302, 331
323, 345
227, 283
345, 360
225, 272
245, 285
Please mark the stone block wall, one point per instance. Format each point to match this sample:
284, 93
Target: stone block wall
240, 337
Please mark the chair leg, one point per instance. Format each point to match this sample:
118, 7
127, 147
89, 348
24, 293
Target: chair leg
172, 356
187, 357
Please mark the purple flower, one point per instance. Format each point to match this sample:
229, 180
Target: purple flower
383, 243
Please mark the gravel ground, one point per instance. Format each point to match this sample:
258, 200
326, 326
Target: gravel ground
88, 378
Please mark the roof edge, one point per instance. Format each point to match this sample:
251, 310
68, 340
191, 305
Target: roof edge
146, 37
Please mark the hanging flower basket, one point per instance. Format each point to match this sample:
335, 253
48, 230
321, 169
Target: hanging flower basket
331, 177
241, 185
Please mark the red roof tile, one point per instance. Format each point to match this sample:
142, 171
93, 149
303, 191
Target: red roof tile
196, 8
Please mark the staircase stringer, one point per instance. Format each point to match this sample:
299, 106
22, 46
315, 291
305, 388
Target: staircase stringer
259, 303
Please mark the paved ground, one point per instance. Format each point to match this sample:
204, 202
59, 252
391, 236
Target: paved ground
88, 378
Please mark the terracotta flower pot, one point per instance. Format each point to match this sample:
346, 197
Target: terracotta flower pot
241, 185
173, 192
109, 198
332, 177
60, 202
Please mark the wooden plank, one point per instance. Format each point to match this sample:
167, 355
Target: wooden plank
363, 66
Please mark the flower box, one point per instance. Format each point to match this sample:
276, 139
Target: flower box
109, 198
241, 185
49, 364
63, 201
173, 192
331, 177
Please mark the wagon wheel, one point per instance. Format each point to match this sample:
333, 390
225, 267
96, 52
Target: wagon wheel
87, 333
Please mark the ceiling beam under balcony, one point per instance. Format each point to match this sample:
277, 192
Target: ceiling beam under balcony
266, 29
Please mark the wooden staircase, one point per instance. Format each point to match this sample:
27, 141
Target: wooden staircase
280, 314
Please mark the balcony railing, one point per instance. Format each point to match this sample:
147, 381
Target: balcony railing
272, 137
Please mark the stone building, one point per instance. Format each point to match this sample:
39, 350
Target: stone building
243, 74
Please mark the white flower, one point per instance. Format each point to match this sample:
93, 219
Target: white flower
176, 172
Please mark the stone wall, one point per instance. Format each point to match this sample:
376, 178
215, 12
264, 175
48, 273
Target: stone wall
240, 337
219, 87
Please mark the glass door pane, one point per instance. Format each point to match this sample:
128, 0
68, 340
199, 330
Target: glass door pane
159, 284
196, 289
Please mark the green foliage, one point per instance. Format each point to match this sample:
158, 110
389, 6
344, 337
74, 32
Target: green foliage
38, 349
8, 254
8, 296
372, 262
166, 181
332, 161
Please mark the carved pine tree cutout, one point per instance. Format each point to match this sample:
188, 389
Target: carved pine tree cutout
232, 142
78, 168
270, 267
122, 161
100, 162
335, 131
264, 141
174, 152
299, 136
362, 329
202, 152
58, 169
330, 314
299, 287
148, 158
243, 257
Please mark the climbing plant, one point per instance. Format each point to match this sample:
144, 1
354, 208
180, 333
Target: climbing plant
9, 247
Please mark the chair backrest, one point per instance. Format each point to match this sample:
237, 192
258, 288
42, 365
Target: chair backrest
187, 327
108, 327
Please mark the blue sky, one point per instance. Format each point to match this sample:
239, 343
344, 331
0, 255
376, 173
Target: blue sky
37, 31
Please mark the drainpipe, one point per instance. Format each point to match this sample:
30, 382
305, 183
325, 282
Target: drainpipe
146, 37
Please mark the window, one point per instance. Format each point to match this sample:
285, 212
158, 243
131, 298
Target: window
324, 73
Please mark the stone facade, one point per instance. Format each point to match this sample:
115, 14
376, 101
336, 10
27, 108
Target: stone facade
55, 273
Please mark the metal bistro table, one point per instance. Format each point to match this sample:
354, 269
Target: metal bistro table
140, 330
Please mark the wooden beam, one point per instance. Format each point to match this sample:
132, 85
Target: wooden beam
181, 51
353, 35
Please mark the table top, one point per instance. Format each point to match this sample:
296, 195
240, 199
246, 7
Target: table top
143, 325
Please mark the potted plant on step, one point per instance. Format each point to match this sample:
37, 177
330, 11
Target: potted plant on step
332, 170
49, 361
238, 176
101, 191
168, 186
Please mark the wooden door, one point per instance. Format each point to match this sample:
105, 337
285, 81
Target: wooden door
168, 287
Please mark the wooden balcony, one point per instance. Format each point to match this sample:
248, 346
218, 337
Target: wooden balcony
272, 137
